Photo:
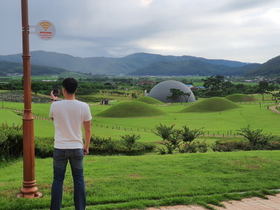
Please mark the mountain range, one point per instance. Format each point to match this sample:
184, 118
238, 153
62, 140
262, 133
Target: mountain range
141, 64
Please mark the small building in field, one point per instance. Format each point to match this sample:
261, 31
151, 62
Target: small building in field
104, 102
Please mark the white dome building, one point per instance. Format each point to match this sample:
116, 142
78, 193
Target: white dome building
162, 90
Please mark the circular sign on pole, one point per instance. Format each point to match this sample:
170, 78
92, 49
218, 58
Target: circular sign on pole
45, 30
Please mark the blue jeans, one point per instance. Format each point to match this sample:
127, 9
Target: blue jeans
60, 160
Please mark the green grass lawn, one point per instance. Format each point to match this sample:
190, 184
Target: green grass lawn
123, 182
213, 123
10, 117
217, 123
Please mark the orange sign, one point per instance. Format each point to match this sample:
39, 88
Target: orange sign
45, 30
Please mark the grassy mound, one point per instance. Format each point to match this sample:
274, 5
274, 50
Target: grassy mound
214, 104
148, 100
131, 109
240, 98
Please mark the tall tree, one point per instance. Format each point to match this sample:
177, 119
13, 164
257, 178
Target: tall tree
176, 93
214, 85
262, 88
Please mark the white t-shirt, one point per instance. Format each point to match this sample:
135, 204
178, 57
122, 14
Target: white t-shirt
69, 116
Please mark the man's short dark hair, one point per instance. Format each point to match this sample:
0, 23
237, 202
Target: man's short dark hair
70, 85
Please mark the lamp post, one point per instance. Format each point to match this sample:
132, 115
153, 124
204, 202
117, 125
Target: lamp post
29, 189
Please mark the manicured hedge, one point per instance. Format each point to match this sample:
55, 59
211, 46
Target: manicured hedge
243, 145
11, 142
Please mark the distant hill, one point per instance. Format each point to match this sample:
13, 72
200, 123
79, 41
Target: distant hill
130, 64
241, 71
191, 67
153, 58
269, 68
7, 67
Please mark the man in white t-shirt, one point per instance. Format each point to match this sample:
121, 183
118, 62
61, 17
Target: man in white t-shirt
69, 116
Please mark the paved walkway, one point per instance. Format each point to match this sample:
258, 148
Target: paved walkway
274, 109
255, 203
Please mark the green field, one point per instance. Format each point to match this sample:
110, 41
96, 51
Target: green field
123, 182
137, 182
255, 114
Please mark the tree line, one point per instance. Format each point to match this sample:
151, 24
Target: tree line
213, 86
84, 88
218, 86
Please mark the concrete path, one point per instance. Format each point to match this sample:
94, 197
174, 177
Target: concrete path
274, 109
255, 203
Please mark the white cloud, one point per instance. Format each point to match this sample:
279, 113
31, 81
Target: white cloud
273, 15
145, 2
245, 30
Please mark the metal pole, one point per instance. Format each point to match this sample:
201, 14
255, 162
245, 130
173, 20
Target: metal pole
29, 189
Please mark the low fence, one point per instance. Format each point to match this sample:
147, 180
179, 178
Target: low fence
229, 133
36, 116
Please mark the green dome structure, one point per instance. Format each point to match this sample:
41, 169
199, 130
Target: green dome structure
240, 98
149, 100
215, 104
130, 109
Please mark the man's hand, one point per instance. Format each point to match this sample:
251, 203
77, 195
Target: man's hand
53, 96
86, 151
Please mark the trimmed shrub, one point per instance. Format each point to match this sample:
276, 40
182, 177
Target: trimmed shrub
103, 146
244, 145
274, 145
98, 146
193, 147
231, 145
11, 141
44, 147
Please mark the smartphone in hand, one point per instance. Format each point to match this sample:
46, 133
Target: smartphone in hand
55, 90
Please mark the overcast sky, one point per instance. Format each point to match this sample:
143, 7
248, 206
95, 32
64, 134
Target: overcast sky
240, 30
